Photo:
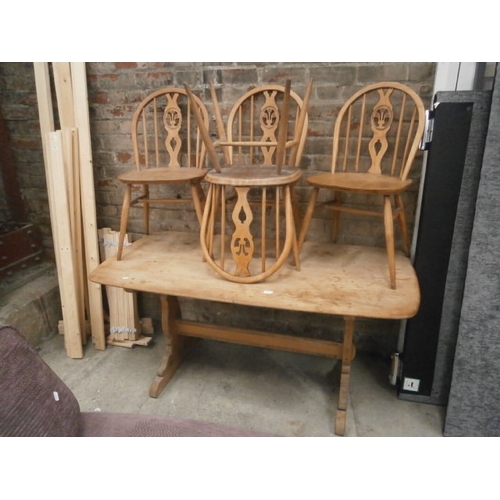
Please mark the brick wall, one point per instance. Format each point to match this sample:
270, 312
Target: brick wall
116, 88
19, 109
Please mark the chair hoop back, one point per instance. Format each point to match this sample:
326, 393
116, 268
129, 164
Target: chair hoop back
165, 132
283, 128
205, 135
255, 118
378, 130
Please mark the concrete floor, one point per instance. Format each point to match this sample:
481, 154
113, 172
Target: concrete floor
271, 391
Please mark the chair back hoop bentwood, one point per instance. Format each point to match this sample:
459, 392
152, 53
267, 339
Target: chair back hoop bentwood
169, 156
375, 140
246, 255
251, 133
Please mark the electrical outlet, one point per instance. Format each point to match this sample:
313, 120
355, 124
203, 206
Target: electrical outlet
411, 384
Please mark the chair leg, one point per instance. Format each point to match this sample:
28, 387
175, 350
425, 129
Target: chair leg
402, 223
295, 251
307, 217
198, 200
337, 200
389, 239
295, 214
124, 220
296, 209
296, 222
146, 208
210, 215
201, 196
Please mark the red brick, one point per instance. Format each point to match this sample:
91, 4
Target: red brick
125, 65
124, 157
99, 98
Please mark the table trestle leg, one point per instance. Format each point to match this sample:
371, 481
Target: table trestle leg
345, 375
176, 345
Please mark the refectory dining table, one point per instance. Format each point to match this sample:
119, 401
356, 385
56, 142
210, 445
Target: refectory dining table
341, 280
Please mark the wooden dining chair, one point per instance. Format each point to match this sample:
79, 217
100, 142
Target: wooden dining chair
253, 258
168, 151
375, 139
250, 134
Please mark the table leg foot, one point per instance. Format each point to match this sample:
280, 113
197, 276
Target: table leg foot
172, 359
348, 353
340, 422
166, 371
176, 345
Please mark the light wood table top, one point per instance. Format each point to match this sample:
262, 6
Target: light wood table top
334, 279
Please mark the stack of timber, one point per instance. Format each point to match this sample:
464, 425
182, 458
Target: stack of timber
70, 186
125, 327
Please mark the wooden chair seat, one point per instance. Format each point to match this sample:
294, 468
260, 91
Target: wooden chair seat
163, 175
360, 183
254, 176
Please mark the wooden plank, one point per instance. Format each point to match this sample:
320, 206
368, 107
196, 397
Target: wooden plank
60, 327
65, 108
64, 94
44, 98
71, 161
125, 328
82, 122
46, 116
124, 324
67, 284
